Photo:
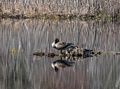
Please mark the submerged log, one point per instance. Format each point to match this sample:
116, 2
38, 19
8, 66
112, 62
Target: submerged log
39, 53
117, 53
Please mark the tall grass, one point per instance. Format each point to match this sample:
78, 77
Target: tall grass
32, 8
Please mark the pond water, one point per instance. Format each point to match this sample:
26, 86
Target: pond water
19, 69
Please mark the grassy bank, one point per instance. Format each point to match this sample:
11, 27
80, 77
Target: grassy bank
61, 16
60, 9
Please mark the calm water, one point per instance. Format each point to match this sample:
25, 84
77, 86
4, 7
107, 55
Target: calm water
19, 39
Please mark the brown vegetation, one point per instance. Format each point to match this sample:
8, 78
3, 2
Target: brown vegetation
55, 9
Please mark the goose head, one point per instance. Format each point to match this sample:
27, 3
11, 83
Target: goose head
55, 42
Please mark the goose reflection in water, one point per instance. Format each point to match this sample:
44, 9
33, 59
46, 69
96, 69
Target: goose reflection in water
61, 64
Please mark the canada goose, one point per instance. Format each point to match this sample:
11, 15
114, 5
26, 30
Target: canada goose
59, 45
60, 64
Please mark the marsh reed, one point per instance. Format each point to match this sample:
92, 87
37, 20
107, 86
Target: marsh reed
59, 8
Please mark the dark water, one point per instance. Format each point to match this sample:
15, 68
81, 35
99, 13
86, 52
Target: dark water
19, 69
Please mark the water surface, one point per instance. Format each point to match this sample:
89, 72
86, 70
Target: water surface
19, 39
